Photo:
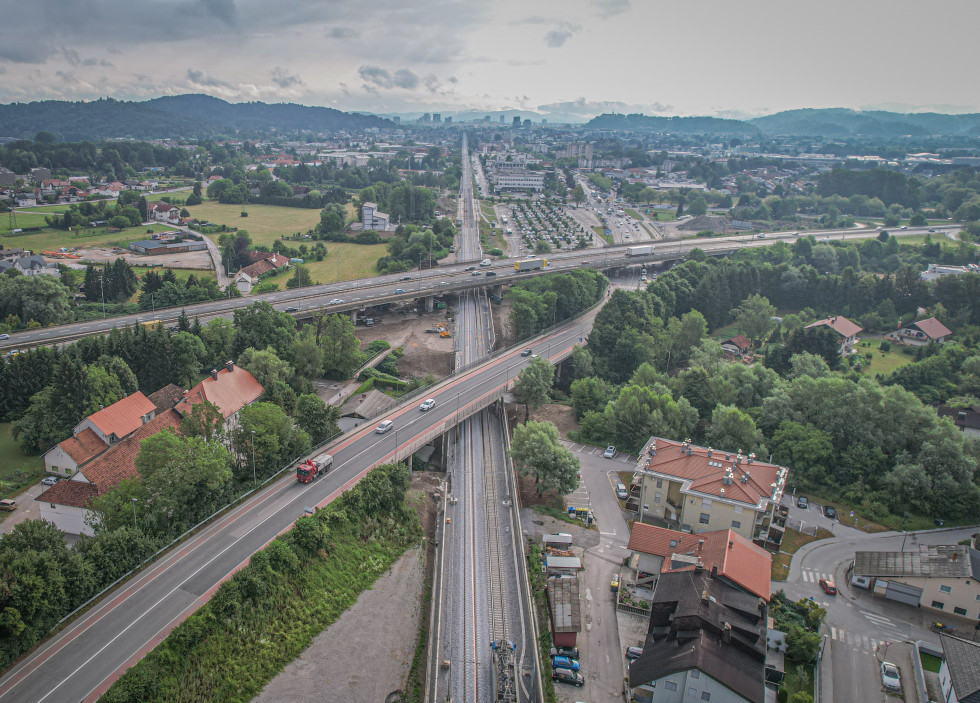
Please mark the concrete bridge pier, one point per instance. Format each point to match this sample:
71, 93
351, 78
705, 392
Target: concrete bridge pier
353, 317
430, 303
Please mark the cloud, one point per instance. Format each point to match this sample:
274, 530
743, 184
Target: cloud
562, 33
343, 33
200, 78
608, 8
72, 57
224, 10
284, 79
23, 48
378, 77
582, 107
532, 19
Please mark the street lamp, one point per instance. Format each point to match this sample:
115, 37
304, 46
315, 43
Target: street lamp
139, 555
253, 458
102, 286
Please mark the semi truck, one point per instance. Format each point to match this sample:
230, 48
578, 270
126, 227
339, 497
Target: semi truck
311, 468
530, 265
639, 251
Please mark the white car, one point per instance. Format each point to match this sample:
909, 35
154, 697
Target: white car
891, 679
610, 452
336, 301
427, 405
4, 336
385, 426
49, 480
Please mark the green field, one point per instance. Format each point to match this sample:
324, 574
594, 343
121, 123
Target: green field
356, 261
883, 362
265, 223
16, 469
51, 239
919, 239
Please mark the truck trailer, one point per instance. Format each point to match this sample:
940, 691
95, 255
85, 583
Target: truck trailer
530, 265
311, 468
639, 251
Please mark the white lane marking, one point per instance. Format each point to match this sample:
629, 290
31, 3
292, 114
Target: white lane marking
613, 533
833, 633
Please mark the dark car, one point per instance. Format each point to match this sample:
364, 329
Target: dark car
292, 309
405, 278
567, 676
802, 502
633, 653
526, 352
565, 652
470, 268
830, 511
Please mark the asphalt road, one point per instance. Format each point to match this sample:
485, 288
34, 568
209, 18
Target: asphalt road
364, 293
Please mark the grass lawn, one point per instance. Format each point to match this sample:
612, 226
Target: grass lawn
930, 662
920, 239
792, 541
883, 362
45, 208
265, 223
17, 471
601, 232
633, 213
356, 261
51, 239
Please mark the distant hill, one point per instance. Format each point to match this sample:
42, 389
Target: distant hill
673, 125
840, 122
194, 116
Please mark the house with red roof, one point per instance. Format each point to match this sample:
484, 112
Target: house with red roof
701, 489
920, 333
725, 553
98, 432
737, 345
264, 263
67, 504
845, 330
230, 390
164, 212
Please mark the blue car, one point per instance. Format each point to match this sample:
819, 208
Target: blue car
564, 663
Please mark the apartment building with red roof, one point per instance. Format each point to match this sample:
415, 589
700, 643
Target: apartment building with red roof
230, 390
701, 489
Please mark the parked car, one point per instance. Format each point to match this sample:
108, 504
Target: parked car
633, 653
8, 505
566, 676
621, 492
405, 278
565, 652
610, 452
427, 405
828, 586
802, 502
49, 480
385, 426
891, 679
830, 511
565, 663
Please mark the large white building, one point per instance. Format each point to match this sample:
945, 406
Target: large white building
519, 179
373, 219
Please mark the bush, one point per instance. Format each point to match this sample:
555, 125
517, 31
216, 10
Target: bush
885, 345
243, 213
378, 345
495, 252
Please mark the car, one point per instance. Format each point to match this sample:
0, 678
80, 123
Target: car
4, 336
443, 283
399, 290
830, 511
567, 676
336, 301
526, 352
633, 653
621, 492
427, 405
8, 505
761, 235
891, 679
535, 356
292, 310
470, 268
828, 586
610, 452
384, 426
932, 229
802, 502
485, 262
477, 273
560, 662
49, 480
796, 234
904, 227
405, 278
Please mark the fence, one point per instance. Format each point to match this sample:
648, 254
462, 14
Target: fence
800, 526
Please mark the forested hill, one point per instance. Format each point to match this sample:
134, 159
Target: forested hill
673, 125
172, 116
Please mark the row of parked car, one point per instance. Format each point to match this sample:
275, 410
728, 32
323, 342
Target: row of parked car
565, 666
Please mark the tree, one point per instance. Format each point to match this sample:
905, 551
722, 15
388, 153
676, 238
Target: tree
39, 298
590, 395
272, 373
341, 347
300, 278
533, 383
260, 326
754, 317
578, 193
801, 645
307, 355
537, 451
205, 421
734, 430
188, 355
316, 418
276, 440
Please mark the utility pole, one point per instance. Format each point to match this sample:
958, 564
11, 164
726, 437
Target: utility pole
102, 286
253, 458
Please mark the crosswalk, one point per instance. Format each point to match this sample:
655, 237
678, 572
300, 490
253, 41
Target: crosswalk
857, 642
814, 576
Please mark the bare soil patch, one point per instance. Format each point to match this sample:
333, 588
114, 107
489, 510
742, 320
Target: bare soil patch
424, 352
561, 416
501, 324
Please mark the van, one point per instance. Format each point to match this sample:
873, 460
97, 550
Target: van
861, 581
8, 505
621, 492
385, 426
485, 262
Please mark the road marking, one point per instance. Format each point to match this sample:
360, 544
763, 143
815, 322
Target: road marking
613, 533
833, 633
806, 576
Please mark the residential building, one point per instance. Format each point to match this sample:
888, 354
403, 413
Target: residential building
40, 173
700, 489
920, 333
67, 504
164, 212
968, 420
519, 179
959, 673
120, 419
31, 265
265, 263
845, 330
167, 397
944, 578
706, 642
230, 389
935, 271
726, 554
25, 200
737, 345
373, 219
7, 178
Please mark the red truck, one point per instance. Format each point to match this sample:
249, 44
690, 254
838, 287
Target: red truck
311, 468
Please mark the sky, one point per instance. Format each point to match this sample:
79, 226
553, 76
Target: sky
577, 57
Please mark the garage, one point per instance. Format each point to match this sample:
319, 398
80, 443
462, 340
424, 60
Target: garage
902, 593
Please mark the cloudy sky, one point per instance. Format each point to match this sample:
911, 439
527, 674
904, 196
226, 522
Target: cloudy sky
729, 57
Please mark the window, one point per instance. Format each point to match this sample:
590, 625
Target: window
736, 525
959, 611
656, 498
705, 696
695, 674
736, 509
946, 589
692, 691
978, 596
67, 472
660, 483
938, 605
673, 543
705, 518
670, 685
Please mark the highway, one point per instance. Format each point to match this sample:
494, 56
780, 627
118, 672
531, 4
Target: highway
360, 294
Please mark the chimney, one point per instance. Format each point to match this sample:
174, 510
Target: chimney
722, 492
714, 571
700, 545
689, 451
710, 452
731, 544
230, 365
726, 633
214, 374
101, 406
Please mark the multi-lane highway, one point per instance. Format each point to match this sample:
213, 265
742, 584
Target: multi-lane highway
395, 288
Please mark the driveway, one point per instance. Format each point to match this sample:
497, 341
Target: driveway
223, 280
27, 508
